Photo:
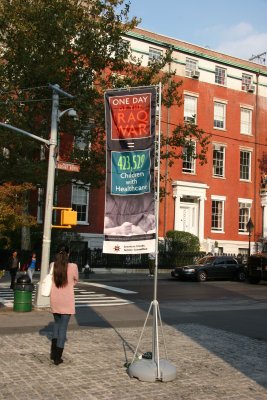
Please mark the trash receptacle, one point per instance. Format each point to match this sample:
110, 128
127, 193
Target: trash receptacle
23, 294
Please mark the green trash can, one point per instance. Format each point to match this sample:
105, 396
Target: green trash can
23, 294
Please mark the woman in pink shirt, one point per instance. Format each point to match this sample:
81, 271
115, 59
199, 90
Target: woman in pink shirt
62, 302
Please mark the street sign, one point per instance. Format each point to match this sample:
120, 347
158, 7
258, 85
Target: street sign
66, 166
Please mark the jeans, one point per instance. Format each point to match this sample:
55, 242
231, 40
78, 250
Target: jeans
30, 272
60, 328
13, 273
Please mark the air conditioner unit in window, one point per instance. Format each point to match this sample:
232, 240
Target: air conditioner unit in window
189, 119
195, 73
251, 88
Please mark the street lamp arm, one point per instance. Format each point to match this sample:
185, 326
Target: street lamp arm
31, 135
71, 112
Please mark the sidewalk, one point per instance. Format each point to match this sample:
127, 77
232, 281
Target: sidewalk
211, 365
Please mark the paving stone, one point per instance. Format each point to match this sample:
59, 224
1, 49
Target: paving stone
211, 365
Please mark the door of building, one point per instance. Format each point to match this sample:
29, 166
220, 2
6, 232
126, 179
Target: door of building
188, 219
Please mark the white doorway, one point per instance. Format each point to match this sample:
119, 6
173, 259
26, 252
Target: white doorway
188, 218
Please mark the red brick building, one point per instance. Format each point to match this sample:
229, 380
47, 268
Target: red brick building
227, 97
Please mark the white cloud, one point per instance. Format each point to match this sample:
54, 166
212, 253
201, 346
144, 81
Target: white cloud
242, 40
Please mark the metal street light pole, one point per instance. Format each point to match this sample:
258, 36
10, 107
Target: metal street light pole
41, 301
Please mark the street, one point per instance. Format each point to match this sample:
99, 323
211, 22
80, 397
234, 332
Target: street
123, 301
228, 305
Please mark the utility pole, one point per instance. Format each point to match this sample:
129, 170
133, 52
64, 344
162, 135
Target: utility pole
41, 301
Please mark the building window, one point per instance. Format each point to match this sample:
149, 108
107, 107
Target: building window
220, 75
244, 215
218, 160
190, 109
219, 115
217, 215
190, 66
246, 81
245, 165
80, 203
189, 161
40, 205
154, 54
246, 121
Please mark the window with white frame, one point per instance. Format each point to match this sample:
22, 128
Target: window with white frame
189, 161
244, 214
217, 215
246, 121
245, 165
154, 54
219, 115
190, 66
220, 75
218, 160
190, 109
246, 81
79, 200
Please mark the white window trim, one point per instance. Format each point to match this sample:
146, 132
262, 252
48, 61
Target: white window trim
84, 223
196, 106
225, 69
224, 114
251, 116
224, 147
156, 50
248, 150
192, 94
247, 201
193, 161
222, 199
188, 70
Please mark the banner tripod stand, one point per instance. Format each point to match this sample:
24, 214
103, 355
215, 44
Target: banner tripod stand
155, 369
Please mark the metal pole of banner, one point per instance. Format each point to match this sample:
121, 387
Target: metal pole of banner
154, 369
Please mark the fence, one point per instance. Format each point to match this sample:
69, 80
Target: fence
167, 260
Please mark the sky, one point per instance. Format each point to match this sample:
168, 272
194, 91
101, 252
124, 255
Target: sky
235, 27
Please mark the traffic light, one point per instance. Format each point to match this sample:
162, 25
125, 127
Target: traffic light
68, 217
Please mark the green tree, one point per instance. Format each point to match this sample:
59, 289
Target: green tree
68, 42
78, 45
12, 210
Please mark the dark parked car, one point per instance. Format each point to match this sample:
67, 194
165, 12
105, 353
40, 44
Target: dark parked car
211, 267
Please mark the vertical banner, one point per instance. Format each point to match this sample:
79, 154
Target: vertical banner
130, 224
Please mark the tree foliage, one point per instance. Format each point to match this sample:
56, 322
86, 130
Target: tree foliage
181, 247
12, 208
78, 45
68, 42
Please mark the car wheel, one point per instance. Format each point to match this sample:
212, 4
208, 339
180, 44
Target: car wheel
241, 276
202, 276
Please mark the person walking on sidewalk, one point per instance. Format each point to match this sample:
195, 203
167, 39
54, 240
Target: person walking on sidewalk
151, 263
62, 302
32, 266
13, 266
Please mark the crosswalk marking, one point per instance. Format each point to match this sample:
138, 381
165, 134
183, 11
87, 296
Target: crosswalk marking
83, 298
